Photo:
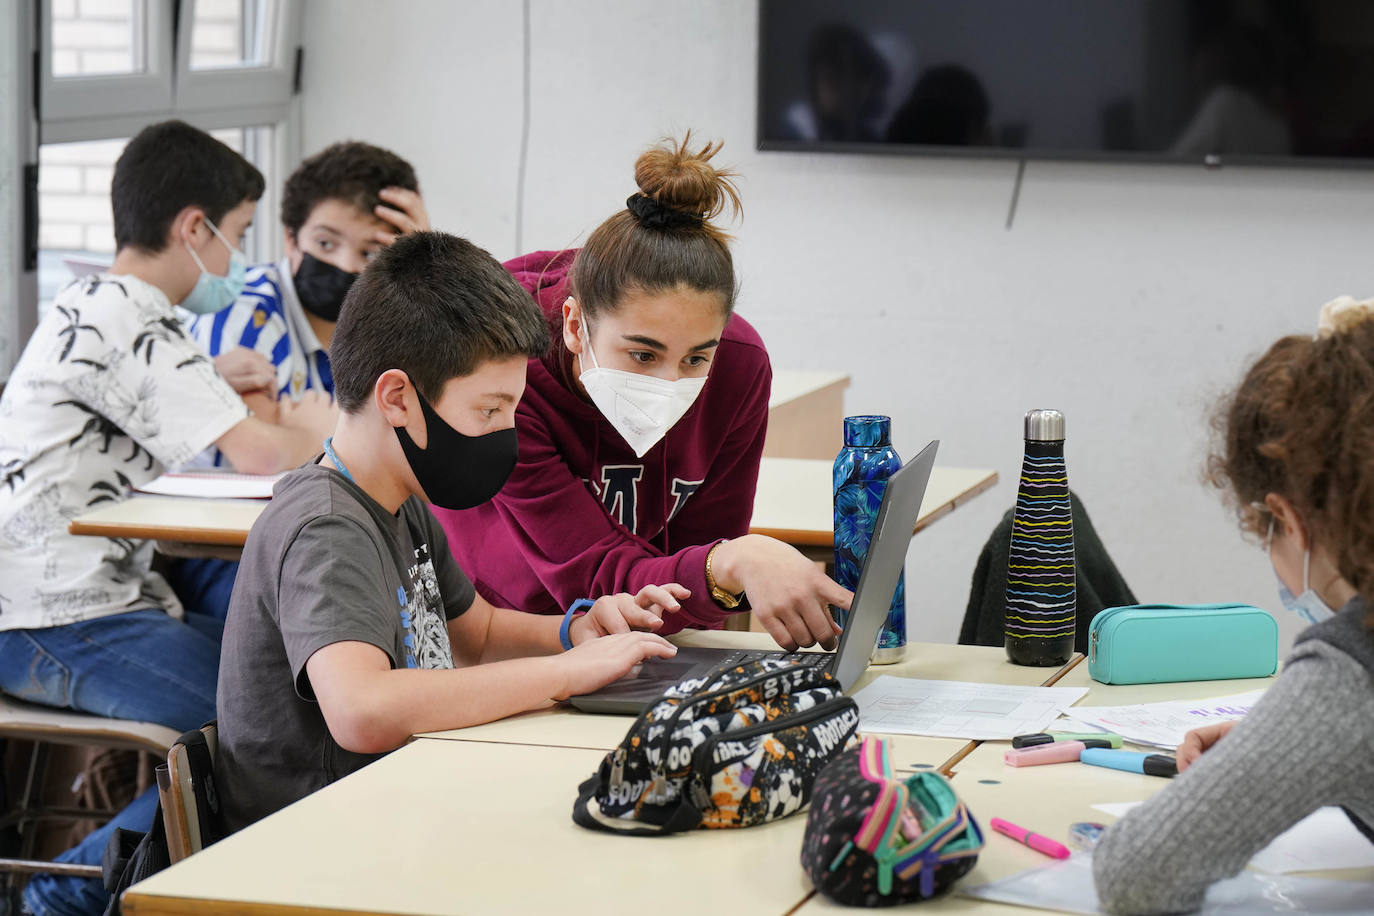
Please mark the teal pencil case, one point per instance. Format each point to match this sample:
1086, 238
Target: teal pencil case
1158, 643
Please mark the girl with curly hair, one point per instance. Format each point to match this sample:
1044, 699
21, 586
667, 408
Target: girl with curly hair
1296, 457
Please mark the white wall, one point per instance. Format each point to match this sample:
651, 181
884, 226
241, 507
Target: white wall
1127, 296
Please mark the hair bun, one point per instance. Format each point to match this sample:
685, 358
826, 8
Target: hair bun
680, 179
1343, 313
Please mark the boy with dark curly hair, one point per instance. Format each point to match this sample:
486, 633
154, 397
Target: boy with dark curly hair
339, 208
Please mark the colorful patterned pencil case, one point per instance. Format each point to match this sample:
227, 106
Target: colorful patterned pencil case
1158, 643
874, 840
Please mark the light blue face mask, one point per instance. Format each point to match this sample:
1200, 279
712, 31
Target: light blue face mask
213, 293
1309, 605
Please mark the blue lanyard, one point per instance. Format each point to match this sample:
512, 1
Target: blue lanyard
407, 621
329, 452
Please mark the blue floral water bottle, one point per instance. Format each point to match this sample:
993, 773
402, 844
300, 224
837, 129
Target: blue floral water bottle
861, 472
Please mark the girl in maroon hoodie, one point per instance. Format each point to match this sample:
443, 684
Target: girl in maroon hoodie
642, 429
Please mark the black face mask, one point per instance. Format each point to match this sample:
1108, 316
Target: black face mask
321, 287
458, 471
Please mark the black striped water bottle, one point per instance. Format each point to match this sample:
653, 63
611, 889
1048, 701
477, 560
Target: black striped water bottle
1041, 603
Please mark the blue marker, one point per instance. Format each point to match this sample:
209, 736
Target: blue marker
1131, 761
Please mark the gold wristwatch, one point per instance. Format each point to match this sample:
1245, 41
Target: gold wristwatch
725, 599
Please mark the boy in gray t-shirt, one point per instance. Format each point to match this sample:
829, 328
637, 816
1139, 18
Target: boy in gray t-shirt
351, 627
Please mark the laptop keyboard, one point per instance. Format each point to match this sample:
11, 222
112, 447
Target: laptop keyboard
801, 659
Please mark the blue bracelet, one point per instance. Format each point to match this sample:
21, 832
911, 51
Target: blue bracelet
580, 606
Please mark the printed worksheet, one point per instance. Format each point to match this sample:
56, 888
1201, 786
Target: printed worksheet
1163, 724
959, 709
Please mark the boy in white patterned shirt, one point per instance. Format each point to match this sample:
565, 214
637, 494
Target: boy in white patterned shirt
108, 393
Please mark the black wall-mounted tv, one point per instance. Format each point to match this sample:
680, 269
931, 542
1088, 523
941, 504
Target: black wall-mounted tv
1203, 81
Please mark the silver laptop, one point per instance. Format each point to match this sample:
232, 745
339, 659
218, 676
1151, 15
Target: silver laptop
897, 516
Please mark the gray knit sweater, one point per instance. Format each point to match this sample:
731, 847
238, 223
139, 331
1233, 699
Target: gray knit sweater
1308, 743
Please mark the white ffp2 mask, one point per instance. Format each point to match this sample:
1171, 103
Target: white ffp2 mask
640, 407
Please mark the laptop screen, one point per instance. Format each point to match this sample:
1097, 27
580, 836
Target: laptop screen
883, 565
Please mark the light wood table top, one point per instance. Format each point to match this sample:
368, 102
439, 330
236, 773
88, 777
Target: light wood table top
1131, 694
793, 504
415, 832
219, 522
483, 824
564, 726
457, 825
795, 499
793, 385
805, 414
468, 827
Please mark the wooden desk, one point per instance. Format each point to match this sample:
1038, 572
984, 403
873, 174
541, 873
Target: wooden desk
1131, 694
462, 825
793, 504
182, 526
805, 414
473, 825
563, 726
467, 827
795, 501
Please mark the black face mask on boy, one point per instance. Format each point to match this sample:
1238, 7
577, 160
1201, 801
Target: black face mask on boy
458, 471
321, 287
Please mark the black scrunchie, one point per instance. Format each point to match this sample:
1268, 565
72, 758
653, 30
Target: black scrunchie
653, 215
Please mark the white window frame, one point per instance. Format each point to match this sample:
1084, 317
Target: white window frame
66, 102
18, 151
263, 89
119, 105
73, 109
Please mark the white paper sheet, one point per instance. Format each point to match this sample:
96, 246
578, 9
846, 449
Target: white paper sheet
84, 267
1325, 840
957, 709
212, 485
1116, 809
1164, 724
1068, 886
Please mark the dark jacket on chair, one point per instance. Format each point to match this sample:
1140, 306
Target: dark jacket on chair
1099, 583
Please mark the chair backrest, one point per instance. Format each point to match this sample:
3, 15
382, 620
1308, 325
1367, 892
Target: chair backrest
190, 798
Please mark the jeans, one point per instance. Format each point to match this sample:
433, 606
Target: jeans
140, 665
204, 584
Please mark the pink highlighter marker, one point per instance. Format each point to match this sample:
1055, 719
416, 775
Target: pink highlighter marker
1058, 752
1042, 844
